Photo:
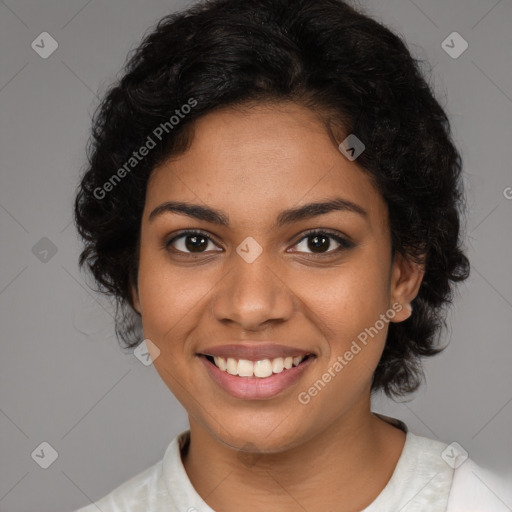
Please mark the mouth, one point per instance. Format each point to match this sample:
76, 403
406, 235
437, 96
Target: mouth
260, 379
261, 369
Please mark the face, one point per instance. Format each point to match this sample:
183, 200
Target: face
264, 278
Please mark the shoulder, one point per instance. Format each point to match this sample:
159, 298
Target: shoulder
163, 487
477, 489
145, 491
133, 495
444, 470
473, 488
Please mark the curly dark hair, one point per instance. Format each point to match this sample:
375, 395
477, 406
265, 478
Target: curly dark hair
355, 73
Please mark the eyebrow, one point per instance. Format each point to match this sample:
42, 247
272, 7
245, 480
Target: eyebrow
286, 217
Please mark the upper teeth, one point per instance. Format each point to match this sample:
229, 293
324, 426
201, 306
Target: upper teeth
263, 368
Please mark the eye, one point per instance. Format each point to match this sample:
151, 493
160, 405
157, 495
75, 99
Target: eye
191, 242
198, 242
319, 241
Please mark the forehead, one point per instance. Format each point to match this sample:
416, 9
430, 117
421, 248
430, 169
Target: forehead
262, 159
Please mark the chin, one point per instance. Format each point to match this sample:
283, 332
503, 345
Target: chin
266, 434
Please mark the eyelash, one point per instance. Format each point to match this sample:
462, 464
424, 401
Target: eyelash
344, 243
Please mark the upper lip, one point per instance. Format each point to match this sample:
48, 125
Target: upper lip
254, 352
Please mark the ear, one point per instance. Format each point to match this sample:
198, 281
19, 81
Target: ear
135, 300
406, 278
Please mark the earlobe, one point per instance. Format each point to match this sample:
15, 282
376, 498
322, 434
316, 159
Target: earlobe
406, 280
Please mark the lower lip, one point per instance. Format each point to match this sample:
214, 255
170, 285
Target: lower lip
255, 388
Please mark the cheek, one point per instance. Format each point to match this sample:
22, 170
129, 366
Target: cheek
167, 295
170, 304
350, 297
349, 307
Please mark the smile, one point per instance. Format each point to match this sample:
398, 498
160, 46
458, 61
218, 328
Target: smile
262, 379
260, 369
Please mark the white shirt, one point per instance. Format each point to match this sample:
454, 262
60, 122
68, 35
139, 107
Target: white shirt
427, 478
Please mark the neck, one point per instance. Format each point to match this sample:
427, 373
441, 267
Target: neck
343, 468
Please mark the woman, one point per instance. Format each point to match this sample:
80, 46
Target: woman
274, 196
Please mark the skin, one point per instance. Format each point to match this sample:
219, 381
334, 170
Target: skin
252, 164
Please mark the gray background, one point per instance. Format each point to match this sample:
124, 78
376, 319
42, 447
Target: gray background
64, 380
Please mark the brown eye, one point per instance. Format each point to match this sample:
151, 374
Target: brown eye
190, 242
319, 242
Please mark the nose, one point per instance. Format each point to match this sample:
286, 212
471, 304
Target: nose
252, 295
